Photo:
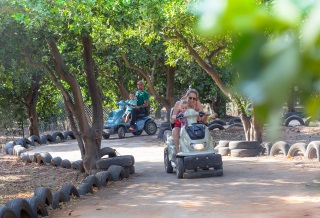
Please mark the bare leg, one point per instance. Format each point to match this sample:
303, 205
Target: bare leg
176, 137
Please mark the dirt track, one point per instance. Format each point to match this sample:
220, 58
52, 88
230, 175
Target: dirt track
250, 187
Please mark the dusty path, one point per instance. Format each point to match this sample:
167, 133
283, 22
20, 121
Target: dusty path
250, 187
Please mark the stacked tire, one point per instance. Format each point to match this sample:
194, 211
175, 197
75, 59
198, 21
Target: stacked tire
119, 167
244, 148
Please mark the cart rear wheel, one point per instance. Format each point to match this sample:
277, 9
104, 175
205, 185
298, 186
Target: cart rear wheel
150, 127
121, 132
180, 168
167, 164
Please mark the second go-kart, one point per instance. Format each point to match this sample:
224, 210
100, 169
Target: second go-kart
197, 154
114, 124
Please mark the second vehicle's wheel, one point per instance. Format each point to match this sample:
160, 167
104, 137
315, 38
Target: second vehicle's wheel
105, 135
137, 133
121, 132
167, 164
150, 127
180, 168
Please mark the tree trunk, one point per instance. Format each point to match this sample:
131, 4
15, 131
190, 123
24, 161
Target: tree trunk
30, 102
170, 91
90, 135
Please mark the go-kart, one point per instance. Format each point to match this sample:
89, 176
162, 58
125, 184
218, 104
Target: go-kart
197, 154
114, 124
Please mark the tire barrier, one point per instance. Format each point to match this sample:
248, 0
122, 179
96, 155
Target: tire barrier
93, 181
294, 117
78, 165
56, 135
296, 149
235, 120
224, 151
36, 206
217, 121
266, 148
313, 150
279, 147
215, 126
69, 190
108, 151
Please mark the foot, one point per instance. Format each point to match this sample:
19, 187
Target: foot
131, 128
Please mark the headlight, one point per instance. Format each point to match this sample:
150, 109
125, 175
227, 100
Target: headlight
198, 146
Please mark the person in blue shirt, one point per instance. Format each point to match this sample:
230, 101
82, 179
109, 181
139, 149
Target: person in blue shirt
131, 102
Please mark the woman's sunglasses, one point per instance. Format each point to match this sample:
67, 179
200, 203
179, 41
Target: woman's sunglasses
191, 98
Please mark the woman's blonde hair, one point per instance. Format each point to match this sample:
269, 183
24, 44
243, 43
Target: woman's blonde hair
192, 91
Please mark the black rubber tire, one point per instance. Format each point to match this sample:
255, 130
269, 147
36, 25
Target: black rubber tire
222, 143
44, 158
65, 163
279, 146
23, 142
294, 117
44, 194
34, 139
111, 152
57, 134
289, 114
224, 151
124, 161
8, 145
10, 151
233, 125
266, 147
56, 161
296, 148
244, 152
137, 133
25, 158
313, 150
221, 122
243, 144
58, 197
150, 127
93, 181
167, 165
78, 165
132, 170
105, 135
35, 156
104, 178
121, 132
126, 172
116, 172
47, 138
30, 158
18, 150
68, 134
7, 212
179, 168
235, 120
84, 188
69, 190
20, 207
215, 126
38, 207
